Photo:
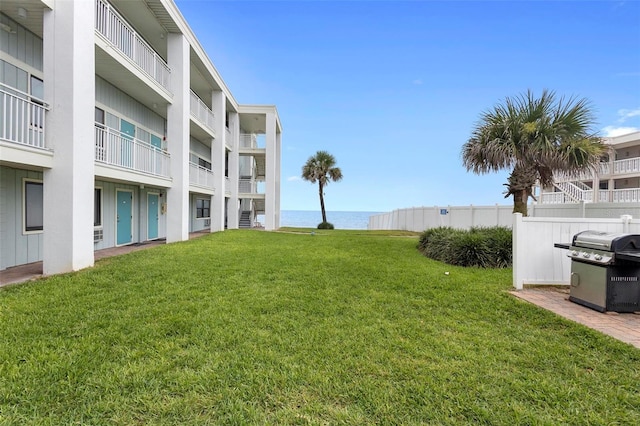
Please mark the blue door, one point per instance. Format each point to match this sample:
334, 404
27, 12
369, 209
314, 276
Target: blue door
152, 216
124, 217
128, 132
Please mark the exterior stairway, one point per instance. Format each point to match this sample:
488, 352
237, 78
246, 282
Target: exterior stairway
245, 219
575, 192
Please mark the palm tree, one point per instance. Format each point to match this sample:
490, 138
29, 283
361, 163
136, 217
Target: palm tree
321, 168
534, 138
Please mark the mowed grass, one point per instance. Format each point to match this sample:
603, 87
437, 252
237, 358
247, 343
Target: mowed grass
340, 327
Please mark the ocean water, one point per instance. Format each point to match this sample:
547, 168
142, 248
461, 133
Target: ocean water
311, 219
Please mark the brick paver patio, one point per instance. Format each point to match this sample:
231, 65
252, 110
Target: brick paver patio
624, 327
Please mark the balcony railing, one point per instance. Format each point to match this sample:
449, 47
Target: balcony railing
21, 119
200, 176
247, 141
202, 112
115, 28
625, 195
250, 186
631, 195
121, 150
629, 165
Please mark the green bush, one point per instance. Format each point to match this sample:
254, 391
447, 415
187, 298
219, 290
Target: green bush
325, 225
482, 247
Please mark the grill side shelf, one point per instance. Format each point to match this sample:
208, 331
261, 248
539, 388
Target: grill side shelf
565, 246
632, 256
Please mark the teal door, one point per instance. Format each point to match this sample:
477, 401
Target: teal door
124, 217
128, 132
152, 216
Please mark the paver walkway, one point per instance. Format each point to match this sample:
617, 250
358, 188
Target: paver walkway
624, 327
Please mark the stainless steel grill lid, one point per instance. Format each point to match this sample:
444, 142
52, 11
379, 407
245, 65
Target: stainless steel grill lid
608, 241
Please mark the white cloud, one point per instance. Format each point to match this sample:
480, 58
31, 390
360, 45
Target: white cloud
293, 178
612, 131
627, 113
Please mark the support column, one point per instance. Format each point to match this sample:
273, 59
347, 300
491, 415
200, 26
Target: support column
233, 221
272, 178
69, 83
218, 102
178, 139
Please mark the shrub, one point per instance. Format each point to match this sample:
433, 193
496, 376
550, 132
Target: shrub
325, 225
482, 247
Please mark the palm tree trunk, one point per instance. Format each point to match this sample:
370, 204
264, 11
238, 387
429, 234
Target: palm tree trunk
520, 198
324, 214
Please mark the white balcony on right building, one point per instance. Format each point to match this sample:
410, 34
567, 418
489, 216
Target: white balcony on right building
616, 180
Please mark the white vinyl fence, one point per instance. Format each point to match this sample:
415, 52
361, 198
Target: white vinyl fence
537, 262
419, 219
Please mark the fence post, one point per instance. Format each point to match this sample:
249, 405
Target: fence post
517, 250
626, 219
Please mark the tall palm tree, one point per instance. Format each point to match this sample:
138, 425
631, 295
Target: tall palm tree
534, 138
321, 168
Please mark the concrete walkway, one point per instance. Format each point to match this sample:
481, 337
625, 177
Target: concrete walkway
31, 271
624, 327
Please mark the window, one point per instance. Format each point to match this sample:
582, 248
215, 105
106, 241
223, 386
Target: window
226, 119
37, 89
97, 207
203, 208
33, 216
204, 163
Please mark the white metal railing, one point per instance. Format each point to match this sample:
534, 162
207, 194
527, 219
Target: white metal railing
604, 168
629, 165
200, 176
554, 198
202, 112
603, 196
248, 141
631, 195
119, 149
21, 119
247, 186
115, 28
572, 190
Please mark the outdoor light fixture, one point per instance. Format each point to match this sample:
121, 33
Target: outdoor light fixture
7, 28
22, 13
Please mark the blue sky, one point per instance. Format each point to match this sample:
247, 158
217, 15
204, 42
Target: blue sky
393, 88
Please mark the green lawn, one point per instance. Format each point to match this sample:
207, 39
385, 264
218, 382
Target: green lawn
340, 327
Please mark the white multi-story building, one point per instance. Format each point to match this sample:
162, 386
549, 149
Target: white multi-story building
116, 128
616, 180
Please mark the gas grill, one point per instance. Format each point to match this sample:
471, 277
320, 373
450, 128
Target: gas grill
605, 271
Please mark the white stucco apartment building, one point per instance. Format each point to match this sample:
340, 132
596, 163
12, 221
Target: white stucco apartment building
616, 179
116, 128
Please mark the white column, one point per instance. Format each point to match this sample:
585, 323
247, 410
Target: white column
233, 219
178, 139
69, 82
218, 102
272, 178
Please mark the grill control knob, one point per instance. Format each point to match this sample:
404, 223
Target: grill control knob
586, 255
574, 253
597, 257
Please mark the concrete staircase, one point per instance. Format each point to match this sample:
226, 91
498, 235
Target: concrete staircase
245, 220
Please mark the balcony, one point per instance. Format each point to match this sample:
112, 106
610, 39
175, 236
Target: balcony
251, 186
626, 166
202, 114
631, 195
121, 150
200, 176
124, 38
21, 119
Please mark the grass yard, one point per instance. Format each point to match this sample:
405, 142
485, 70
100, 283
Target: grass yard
340, 327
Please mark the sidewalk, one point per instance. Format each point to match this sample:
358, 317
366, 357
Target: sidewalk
624, 327
31, 271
